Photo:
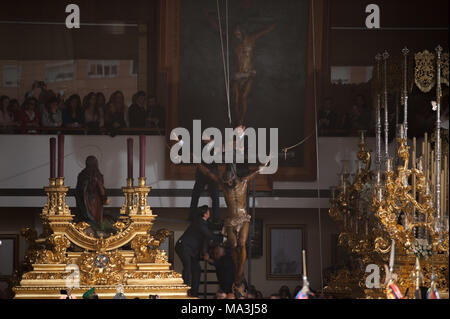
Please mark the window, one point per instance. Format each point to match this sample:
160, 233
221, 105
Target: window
103, 69
57, 72
11, 76
284, 251
351, 74
133, 68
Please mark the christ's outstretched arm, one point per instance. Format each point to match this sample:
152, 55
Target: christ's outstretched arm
262, 32
212, 21
252, 175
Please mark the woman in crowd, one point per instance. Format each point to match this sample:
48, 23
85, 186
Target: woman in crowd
93, 116
285, 293
101, 102
52, 116
14, 108
29, 116
73, 114
115, 116
6, 117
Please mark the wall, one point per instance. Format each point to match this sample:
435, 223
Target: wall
82, 84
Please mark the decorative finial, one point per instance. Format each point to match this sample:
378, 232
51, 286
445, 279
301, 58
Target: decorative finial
405, 51
385, 55
438, 49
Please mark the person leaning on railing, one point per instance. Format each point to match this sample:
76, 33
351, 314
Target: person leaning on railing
29, 117
93, 115
73, 115
116, 115
52, 116
137, 112
6, 116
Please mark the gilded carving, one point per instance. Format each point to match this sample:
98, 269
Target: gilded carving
101, 268
424, 72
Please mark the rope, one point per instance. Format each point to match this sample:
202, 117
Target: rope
228, 60
317, 143
286, 149
225, 71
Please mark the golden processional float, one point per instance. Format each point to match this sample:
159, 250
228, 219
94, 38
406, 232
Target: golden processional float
403, 204
68, 256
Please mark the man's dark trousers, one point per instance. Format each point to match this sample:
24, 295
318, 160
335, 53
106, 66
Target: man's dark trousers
191, 266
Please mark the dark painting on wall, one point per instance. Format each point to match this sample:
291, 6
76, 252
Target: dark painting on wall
267, 67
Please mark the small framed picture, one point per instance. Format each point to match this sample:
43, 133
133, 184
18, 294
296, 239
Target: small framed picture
9, 255
284, 251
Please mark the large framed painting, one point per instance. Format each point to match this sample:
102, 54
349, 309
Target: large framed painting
284, 251
262, 56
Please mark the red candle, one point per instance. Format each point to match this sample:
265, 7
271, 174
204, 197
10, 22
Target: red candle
52, 157
142, 156
60, 155
130, 157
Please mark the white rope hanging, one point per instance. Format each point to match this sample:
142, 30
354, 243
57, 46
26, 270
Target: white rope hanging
226, 63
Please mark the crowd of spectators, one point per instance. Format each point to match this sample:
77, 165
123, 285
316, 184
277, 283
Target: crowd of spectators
333, 122
252, 293
42, 110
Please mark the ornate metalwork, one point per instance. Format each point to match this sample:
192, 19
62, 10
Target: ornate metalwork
424, 72
102, 261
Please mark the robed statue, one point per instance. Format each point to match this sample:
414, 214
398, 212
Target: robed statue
91, 194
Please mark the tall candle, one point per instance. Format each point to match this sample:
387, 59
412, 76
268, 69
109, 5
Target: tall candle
52, 157
392, 257
389, 164
362, 137
442, 198
304, 262
445, 182
425, 155
60, 155
142, 156
380, 195
400, 131
130, 157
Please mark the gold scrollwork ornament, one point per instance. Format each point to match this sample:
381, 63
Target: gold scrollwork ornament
424, 72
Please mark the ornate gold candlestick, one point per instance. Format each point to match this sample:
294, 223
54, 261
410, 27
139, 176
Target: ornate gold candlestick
141, 192
56, 207
129, 205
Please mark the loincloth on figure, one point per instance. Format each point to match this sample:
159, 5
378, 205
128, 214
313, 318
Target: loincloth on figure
236, 222
243, 75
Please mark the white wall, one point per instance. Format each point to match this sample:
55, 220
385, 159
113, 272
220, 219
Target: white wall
25, 164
